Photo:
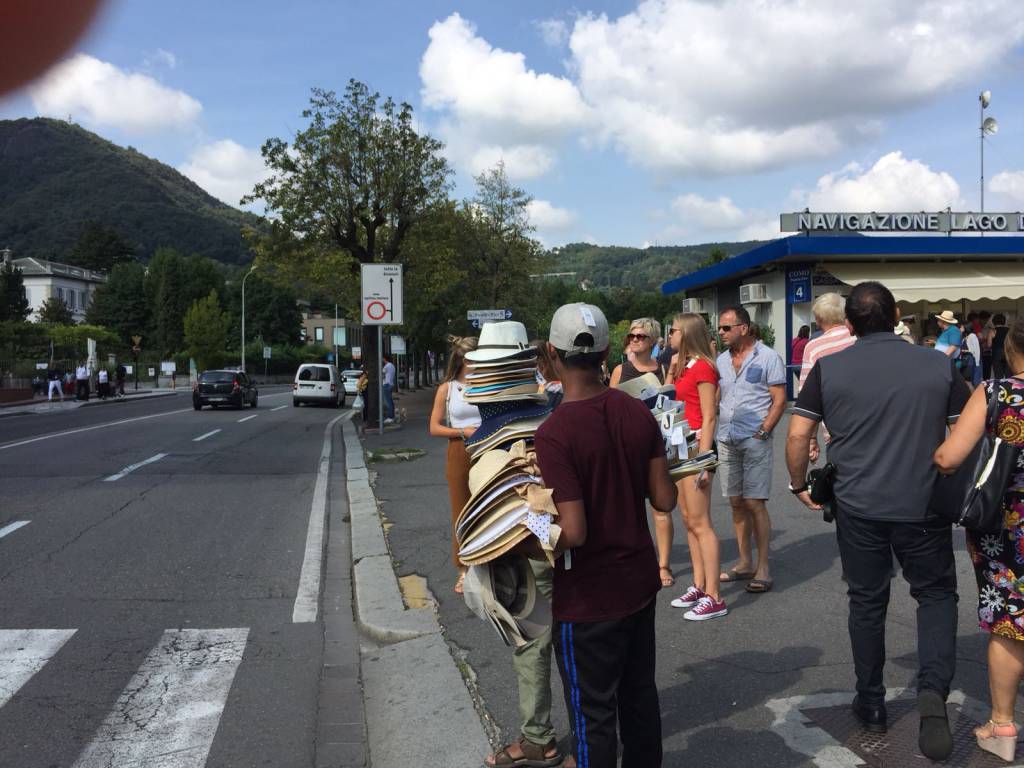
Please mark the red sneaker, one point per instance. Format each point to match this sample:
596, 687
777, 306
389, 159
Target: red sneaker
706, 608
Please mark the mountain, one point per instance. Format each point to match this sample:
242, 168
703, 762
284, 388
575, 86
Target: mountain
55, 176
640, 268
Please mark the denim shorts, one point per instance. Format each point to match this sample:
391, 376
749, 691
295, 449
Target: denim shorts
746, 468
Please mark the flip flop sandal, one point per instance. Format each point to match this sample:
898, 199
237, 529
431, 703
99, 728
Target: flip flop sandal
533, 756
669, 580
733, 575
759, 586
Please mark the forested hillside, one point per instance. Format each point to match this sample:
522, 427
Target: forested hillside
56, 176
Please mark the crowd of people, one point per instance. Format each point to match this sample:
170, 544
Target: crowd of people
602, 455
60, 382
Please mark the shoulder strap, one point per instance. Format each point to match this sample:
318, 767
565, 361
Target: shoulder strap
993, 404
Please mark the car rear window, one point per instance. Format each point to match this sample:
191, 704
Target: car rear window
351, 374
314, 373
217, 377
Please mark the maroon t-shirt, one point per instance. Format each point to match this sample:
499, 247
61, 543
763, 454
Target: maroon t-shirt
599, 451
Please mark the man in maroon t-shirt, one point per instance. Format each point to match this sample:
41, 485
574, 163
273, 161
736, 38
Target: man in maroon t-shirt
602, 453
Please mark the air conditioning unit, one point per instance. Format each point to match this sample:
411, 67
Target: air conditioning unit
695, 306
753, 293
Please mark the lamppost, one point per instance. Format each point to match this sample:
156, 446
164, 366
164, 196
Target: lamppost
987, 127
243, 313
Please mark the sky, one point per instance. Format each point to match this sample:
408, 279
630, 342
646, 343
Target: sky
661, 122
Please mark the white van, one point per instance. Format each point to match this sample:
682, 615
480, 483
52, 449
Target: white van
318, 383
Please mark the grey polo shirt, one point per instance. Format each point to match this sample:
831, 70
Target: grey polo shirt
887, 405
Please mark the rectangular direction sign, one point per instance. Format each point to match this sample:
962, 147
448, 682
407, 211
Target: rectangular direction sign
381, 290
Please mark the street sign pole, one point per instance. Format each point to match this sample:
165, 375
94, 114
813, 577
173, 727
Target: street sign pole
380, 379
382, 291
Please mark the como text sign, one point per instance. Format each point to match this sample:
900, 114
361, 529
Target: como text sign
943, 222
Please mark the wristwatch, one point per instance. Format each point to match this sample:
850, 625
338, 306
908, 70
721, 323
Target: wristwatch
797, 491
762, 434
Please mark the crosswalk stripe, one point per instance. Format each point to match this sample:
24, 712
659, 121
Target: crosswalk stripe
23, 652
167, 715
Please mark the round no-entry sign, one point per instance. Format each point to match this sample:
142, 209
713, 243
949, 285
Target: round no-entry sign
376, 310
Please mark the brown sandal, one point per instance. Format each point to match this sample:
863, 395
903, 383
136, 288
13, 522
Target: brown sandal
666, 581
534, 755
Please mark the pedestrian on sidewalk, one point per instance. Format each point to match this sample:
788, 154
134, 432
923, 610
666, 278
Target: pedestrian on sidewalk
697, 387
120, 373
388, 388
82, 375
752, 378
103, 384
885, 429
602, 454
53, 377
455, 419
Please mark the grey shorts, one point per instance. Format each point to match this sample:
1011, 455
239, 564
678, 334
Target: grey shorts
746, 468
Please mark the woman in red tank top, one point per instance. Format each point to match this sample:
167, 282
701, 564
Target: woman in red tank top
696, 380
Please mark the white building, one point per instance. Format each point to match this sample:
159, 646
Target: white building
44, 279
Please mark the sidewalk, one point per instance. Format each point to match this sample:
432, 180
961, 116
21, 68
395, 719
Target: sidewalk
42, 405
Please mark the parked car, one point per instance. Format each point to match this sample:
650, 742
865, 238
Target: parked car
350, 378
318, 383
216, 388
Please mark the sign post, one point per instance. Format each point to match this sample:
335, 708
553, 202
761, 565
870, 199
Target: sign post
266, 360
381, 291
136, 349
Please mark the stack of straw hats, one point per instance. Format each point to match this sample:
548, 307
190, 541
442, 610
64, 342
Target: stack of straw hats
508, 501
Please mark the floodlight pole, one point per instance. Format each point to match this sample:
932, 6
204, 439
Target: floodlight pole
981, 132
243, 314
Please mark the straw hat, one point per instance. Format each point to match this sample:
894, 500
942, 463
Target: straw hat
505, 593
947, 316
499, 341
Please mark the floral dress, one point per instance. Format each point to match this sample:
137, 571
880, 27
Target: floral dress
999, 557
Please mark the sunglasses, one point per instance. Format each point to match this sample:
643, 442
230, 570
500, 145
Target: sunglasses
727, 328
637, 336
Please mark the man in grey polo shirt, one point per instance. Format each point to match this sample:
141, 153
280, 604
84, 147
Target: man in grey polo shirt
752, 382
887, 405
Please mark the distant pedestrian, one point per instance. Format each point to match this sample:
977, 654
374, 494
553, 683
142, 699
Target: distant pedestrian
103, 384
970, 354
53, 377
987, 330
796, 351
948, 342
82, 375
885, 428
602, 454
120, 373
388, 385
902, 331
752, 378
453, 418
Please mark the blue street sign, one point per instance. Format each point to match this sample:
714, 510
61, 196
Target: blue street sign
798, 285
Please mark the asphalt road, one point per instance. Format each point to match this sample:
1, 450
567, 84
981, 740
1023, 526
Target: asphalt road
146, 608
722, 682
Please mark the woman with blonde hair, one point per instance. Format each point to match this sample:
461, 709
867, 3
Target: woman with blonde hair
643, 334
452, 417
696, 380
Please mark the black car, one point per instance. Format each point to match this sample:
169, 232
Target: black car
232, 388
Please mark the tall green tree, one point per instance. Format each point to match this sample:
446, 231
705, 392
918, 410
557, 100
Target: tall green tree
13, 300
271, 311
55, 312
121, 303
354, 183
100, 247
172, 283
206, 330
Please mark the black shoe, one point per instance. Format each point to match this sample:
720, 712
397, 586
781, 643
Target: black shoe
873, 718
934, 738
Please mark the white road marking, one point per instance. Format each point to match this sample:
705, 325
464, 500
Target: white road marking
202, 437
132, 467
89, 429
278, 408
167, 715
23, 652
248, 417
13, 527
307, 598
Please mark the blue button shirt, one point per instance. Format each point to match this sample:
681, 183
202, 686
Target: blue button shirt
746, 399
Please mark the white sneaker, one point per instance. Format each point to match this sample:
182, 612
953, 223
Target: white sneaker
389, 421
689, 598
707, 608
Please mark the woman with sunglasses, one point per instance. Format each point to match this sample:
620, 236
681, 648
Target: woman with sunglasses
696, 383
643, 334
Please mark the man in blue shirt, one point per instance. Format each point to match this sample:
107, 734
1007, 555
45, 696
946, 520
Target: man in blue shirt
948, 342
388, 387
752, 381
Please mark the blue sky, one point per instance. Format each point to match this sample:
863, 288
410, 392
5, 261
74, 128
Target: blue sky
666, 121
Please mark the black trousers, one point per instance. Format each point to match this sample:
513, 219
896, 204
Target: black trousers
925, 552
607, 670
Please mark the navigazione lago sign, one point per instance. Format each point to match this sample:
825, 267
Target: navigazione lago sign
943, 222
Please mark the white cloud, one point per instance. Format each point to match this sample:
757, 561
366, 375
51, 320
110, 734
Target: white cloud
99, 94
225, 169
893, 183
1009, 185
492, 104
689, 86
164, 58
700, 219
555, 32
546, 217
708, 213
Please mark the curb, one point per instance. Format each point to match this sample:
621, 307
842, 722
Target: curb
415, 698
21, 409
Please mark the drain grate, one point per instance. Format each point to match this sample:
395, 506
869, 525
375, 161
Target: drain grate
898, 747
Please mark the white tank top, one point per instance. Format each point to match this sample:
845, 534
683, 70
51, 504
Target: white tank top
460, 413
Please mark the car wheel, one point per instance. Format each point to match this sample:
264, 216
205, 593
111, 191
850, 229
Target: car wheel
254, 399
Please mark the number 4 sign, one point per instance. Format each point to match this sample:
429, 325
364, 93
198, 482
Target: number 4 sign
798, 284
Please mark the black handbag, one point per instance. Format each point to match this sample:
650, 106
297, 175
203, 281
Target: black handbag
972, 497
821, 489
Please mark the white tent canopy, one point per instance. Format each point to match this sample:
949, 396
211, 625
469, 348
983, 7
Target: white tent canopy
931, 281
